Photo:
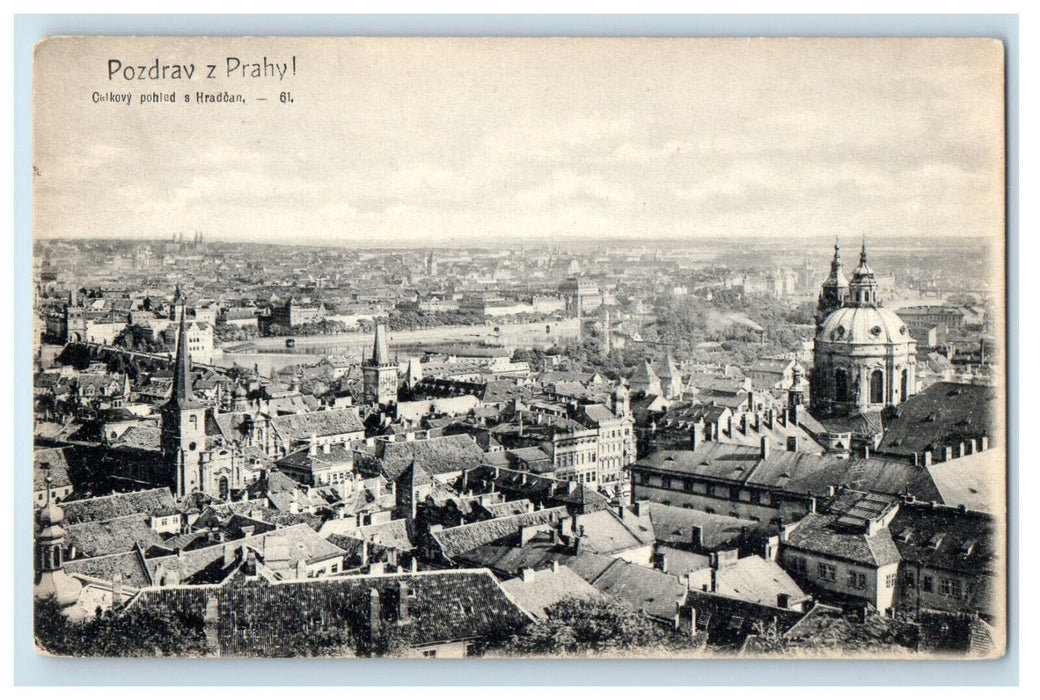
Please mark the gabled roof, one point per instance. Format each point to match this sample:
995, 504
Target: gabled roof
752, 579
152, 501
293, 544
129, 565
534, 591
301, 426
646, 590
674, 525
454, 541
822, 535
439, 455
102, 537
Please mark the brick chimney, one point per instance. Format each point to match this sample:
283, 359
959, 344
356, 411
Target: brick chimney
927, 458
983, 443
763, 452
792, 443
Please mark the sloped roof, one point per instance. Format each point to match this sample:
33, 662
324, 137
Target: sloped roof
454, 541
444, 606
946, 538
393, 533
752, 579
130, 565
820, 534
101, 537
946, 413
674, 525
294, 544
152, 502
437, 455
648, 590
52, 462
141, 436
301, 426
976, 481
534, 591
608, 532
730, 621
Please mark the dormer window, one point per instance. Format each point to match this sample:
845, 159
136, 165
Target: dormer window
936, 540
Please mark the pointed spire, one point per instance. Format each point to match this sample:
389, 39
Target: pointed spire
182, 364
380, 349
863, 252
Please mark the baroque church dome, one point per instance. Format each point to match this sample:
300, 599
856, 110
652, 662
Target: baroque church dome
863, 325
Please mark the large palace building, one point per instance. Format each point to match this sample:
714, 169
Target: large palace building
864, 358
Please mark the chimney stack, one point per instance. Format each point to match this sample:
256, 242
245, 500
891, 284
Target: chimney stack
866, 451
947, 453
972, 446
927, 458
697, 536
792, 443
984, 443
764, 448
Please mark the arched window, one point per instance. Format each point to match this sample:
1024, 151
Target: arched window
877, 386
841, 385
223, 488
904, 385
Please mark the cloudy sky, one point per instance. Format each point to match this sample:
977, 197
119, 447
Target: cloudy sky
457, 141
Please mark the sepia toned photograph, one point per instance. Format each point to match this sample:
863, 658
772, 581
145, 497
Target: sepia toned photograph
519, 347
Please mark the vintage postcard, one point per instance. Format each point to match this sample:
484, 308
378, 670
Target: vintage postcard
478, 347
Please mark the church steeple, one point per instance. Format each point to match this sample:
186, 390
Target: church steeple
835, 289
863, 287
380, 349
182, 394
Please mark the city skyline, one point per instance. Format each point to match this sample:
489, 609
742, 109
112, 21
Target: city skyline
661, 139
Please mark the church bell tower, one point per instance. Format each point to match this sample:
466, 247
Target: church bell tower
183, 434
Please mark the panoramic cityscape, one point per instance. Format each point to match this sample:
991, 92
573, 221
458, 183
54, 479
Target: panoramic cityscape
488, 347
618, 448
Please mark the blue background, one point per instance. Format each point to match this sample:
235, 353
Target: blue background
33, 669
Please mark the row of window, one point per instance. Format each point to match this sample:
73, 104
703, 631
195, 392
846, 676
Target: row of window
855, 579
949, 587
729, 493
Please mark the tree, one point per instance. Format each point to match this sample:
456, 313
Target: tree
577, 625
138, 631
